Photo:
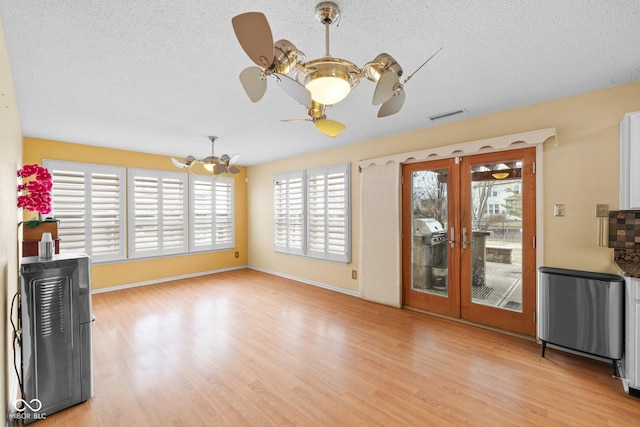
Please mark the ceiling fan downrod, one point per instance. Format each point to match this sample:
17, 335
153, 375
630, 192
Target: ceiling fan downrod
213, 141
327, 13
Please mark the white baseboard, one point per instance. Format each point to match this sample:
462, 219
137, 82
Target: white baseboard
166, 279
308, 282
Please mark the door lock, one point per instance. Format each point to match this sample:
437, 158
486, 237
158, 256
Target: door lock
465, 241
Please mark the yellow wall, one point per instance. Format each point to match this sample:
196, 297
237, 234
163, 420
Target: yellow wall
10, 162
581, 169
155, 269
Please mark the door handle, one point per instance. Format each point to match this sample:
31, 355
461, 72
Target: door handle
452, 233
465, 241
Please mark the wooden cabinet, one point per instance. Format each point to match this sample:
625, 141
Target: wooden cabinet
630, 161
631, 361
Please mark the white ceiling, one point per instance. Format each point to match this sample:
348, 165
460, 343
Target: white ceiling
159, 76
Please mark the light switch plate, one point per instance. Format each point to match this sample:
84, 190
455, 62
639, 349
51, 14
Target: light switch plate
602, 211
558, 210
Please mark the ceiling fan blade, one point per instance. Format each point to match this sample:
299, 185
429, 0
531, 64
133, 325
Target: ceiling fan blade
393, 105
177, 164
384, 89
295, 120
254, 83
188, 162
233, 170
330, 127
219, 168
254, 34
423, 64
294, 89
234, 158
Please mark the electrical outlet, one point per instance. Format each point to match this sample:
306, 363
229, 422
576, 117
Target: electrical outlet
237, 254
558, 210
354, 274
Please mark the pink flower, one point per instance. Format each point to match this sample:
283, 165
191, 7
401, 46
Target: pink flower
36, 195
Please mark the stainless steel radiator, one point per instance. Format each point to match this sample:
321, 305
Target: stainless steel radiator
582, 311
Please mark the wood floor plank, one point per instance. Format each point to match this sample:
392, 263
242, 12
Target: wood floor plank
245, 348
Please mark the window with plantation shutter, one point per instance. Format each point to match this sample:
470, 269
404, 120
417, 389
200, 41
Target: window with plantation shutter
328, 216
211, 212
157, 213
289, 206
312, 213
89, 202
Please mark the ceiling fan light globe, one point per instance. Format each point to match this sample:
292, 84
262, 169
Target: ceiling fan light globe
329, 83
328, 90
210, 162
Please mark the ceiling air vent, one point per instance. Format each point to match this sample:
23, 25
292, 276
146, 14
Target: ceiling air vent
447, 114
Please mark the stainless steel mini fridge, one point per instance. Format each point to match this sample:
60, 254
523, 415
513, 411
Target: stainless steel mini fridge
582, 310
56, 318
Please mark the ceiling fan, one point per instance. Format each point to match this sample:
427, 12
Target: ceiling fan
213, 163
317, 83
329, 127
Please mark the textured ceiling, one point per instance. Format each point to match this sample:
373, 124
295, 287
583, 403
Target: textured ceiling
159, 76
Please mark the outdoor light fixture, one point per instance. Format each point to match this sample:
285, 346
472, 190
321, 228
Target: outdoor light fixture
500, 175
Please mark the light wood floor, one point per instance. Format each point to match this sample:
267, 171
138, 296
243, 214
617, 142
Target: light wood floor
247, 348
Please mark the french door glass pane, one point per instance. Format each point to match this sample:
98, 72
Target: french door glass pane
429, 216
496, 235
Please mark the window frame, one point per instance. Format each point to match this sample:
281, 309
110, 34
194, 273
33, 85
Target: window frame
286, 221
89, 170
161, 176
283, 216
215, 243
126, 219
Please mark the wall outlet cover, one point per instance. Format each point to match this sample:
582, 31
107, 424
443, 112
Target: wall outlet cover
558, 210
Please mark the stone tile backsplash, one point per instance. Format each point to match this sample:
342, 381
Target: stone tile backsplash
624, 230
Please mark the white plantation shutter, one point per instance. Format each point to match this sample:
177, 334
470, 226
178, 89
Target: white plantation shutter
107, 216
212, 216
312, 213
89, 202
157, 213
174, 214
289, 218
202, 214
225, 235
328, 216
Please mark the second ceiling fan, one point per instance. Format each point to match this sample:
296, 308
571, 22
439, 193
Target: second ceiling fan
318, 83
213, 163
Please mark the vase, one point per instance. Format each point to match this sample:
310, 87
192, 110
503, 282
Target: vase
30, 234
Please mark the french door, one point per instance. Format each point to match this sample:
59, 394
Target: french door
469, 238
